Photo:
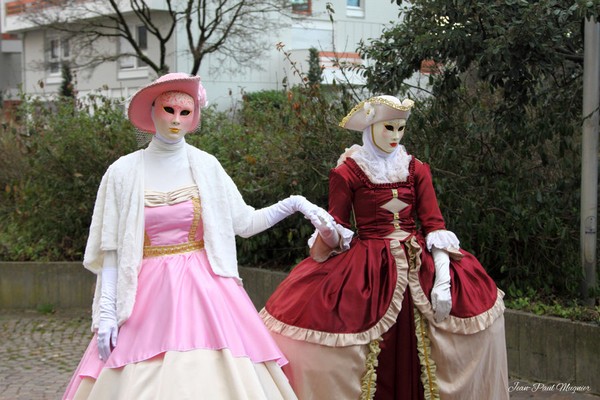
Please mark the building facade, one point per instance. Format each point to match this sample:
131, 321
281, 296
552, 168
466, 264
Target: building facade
307, 24
10, 72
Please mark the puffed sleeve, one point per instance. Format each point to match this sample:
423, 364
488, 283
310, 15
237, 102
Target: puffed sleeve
428, 210
341, 196
340, 208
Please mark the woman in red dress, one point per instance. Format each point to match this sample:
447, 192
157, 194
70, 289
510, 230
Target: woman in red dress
401, 312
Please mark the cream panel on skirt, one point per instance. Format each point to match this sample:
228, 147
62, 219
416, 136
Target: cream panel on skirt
206, 374
471, 366
316, 371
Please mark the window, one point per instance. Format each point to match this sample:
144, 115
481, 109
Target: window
130, 61
301, 6
355, 8
59, 52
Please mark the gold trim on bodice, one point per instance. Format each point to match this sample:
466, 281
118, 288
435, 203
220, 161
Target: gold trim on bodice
394, 206
175, 197
171, 249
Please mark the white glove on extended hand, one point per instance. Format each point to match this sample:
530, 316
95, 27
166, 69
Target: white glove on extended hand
326, 225
107, 323
320, 219
287, 207
441, 299
267, 217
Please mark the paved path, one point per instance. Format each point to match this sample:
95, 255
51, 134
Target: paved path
39, 352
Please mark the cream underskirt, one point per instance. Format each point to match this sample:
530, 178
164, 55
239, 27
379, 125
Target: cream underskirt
471, 366
319, 372
196, 374
467, 367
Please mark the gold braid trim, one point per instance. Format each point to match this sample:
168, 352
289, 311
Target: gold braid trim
428, 366
368, 383
196, 221
191, 245
169, 250
373, 100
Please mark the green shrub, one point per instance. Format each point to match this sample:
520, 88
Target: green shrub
286, 143
508, 189
51, 175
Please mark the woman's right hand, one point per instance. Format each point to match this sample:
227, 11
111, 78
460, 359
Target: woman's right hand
108, 327
107, 336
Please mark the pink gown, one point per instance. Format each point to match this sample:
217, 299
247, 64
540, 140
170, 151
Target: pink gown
192, 334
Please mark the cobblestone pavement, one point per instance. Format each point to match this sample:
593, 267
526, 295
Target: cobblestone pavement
39, 352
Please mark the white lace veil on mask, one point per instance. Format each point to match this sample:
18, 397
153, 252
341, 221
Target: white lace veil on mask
380, 167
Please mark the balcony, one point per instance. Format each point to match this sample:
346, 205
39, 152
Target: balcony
14, 12
22, 6
338, 66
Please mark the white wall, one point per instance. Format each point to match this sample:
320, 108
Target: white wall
106, 77
223, 86
343, 35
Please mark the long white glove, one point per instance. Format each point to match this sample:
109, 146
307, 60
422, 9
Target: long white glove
325, 224
267, 217
320, 218
441, 299
107, 323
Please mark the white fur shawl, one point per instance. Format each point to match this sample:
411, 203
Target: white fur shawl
118, 223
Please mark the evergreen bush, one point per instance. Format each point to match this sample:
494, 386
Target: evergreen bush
508, 189
284, 143
51, 168
512, 199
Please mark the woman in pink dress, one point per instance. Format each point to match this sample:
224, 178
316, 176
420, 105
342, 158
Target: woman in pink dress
170, 316
404, 313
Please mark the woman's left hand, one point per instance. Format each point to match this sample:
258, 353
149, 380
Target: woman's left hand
441, 298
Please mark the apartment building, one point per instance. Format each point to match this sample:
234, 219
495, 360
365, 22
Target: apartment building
10, 71
306, 24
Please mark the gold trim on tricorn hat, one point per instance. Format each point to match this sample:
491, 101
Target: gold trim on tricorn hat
376, 109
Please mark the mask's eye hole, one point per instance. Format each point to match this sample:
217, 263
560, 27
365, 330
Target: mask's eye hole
169, 110
389, 127
400, 128
186, 112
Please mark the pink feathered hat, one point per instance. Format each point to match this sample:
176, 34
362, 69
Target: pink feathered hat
139, 110
376, 109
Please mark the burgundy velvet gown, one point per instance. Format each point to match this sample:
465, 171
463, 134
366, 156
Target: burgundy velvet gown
376, 296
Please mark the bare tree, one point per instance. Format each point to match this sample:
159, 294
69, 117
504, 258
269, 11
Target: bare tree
231, 29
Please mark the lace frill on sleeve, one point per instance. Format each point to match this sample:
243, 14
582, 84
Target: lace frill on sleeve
445, 240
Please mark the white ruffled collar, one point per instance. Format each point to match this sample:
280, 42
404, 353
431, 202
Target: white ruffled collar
380, 170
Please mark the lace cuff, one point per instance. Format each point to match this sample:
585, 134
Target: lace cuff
346, 236
443, 239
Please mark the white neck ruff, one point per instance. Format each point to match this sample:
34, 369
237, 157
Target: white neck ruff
378, 169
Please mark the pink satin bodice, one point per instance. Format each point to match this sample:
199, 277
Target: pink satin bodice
173, 224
